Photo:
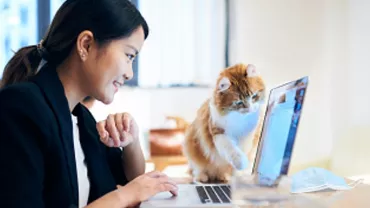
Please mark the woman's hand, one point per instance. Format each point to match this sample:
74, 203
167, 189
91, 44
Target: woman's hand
118, 130
145, 186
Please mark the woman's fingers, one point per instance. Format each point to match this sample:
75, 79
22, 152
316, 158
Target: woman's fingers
112, 130
166, 184
156, 174
163, 182
175, 191
162, 178
126, 122
115, 130
119, 124
168, 187
166, 179
126, 139
103, 134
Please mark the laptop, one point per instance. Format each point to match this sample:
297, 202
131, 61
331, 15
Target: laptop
273, 155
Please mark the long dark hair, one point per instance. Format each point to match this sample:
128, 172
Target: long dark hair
106, 19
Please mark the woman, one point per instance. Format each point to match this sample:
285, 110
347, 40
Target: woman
52, 152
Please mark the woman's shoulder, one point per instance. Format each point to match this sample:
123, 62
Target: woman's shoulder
22, 97
25, 91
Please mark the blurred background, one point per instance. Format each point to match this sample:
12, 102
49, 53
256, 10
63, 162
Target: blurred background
190, 41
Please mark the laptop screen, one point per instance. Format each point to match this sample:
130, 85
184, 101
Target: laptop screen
279, 128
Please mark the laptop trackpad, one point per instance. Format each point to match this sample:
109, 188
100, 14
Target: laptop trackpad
187, 197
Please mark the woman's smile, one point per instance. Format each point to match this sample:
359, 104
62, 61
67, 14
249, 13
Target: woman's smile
117, 85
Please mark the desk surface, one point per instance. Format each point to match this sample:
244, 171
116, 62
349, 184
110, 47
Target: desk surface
359, 197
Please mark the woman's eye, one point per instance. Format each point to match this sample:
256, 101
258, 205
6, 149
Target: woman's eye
130, 56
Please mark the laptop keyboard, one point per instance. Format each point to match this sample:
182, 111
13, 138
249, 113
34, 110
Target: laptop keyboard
214, 194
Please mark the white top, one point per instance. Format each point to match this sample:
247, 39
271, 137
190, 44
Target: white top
82, 177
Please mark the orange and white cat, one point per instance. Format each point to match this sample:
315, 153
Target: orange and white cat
213, 140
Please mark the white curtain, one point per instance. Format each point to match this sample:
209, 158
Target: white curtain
186, 44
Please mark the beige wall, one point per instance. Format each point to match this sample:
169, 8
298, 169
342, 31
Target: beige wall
287, 41
351, 151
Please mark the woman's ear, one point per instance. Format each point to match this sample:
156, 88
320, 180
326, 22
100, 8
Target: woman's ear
84, 42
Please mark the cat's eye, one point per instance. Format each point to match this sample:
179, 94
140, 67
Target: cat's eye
239, 102
255, 96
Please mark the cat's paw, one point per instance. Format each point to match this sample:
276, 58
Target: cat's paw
222, 178
240, 161
201, 177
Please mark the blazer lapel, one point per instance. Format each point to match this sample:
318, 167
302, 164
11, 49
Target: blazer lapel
98, 169
51, 86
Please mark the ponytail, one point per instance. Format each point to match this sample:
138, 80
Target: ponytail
21, 66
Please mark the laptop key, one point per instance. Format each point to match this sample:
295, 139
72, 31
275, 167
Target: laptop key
202, 195
212, 194
227, 191
221, 194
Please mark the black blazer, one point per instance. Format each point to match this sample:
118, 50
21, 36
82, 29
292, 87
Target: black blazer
37, 162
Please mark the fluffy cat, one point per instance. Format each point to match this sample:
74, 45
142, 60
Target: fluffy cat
224, 121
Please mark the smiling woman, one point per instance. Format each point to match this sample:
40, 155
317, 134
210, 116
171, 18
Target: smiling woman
53, 152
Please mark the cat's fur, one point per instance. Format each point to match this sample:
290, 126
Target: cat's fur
213, 140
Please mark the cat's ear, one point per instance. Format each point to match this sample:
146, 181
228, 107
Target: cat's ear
223, 84
251, 71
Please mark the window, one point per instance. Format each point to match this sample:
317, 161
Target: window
17, 27
186, 45
54, 6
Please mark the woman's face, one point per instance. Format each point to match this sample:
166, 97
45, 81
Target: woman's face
108, 67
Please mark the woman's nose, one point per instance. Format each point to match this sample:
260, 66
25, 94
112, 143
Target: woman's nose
129, 75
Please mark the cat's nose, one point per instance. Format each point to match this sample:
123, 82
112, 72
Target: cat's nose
246, 104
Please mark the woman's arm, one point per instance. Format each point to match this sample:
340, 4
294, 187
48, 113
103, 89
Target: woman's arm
141, 188
121, 130
114, 199
133, 160
128, 167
